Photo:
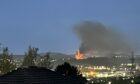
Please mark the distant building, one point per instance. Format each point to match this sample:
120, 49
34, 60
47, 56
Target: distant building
35, 75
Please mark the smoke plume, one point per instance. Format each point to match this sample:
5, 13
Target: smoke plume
95, 36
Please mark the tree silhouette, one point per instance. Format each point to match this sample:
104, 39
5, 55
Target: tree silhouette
45, 61
70, 71
30, 57
6, 62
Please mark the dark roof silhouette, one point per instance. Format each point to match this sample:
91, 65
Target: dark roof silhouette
35, 75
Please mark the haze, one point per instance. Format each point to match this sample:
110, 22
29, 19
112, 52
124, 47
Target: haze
48, 24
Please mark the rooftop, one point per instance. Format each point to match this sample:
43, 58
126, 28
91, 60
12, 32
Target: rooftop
35, 75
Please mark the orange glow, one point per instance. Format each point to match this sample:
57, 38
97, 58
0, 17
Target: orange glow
79, 55
92, 73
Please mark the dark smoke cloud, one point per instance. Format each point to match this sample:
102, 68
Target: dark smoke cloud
95, 36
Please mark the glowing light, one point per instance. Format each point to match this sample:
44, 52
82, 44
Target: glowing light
88, 79
109, 82
92, 73
92, 82
124, 74
132, 81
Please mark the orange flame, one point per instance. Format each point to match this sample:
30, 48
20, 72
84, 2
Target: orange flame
79, 55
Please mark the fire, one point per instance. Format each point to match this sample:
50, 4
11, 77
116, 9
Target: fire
79, 55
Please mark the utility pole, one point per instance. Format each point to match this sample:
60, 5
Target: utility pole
132, 62
0, 48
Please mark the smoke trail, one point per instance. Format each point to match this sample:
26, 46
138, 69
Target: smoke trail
98, 37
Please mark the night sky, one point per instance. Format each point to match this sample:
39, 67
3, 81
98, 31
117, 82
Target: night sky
48, 24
